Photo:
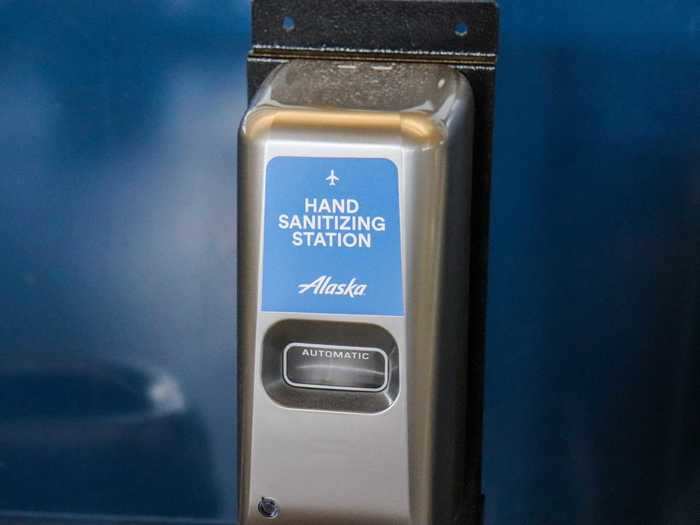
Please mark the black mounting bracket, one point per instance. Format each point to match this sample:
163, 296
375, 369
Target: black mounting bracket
460, 33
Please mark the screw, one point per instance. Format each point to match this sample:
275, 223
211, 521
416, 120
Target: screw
268, 507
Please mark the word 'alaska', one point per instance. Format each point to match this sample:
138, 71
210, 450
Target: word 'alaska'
324, 285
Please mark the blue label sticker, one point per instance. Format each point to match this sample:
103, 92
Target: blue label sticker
332, 236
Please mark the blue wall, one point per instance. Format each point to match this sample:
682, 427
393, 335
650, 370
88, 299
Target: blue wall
592, 387
117, 222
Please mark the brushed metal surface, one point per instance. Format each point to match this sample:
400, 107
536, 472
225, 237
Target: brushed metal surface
401, 465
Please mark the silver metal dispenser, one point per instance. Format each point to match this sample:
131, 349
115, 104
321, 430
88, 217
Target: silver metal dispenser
354, 192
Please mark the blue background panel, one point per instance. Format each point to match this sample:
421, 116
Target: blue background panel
296, 187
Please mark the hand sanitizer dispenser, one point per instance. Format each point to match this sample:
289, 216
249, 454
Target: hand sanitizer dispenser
354, 197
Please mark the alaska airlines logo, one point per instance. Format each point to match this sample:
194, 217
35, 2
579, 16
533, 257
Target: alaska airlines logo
324, 285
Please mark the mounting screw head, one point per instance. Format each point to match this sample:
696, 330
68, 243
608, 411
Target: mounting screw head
268, 507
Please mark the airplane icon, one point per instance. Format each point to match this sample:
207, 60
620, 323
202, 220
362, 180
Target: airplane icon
332, 178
